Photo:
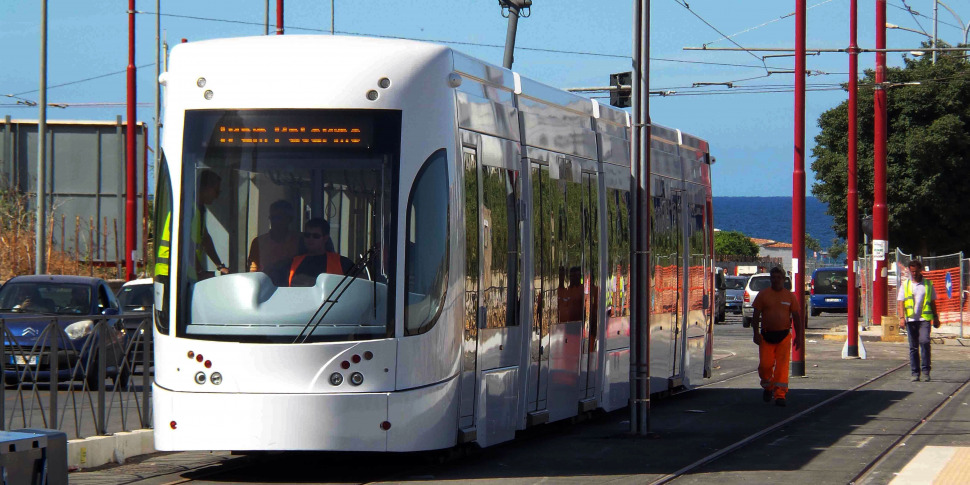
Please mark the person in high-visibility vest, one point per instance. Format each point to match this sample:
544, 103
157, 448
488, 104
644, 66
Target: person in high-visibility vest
318, 258
163, 247
781, 315
919, 303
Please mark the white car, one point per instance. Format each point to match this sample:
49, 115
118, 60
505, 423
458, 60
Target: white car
755, 284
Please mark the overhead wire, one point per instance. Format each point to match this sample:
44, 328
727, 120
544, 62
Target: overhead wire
763, 24
910, 10
918, 14
683, 3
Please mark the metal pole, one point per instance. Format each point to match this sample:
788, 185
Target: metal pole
131, 174
279, 17
853, 202
962, 285
643, 349
798, 192
635, 288
158, 109
936, 22
510, 33
332, 14
266, 19
40, 232
880, 221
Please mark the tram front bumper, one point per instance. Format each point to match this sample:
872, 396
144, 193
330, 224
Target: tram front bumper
413, 420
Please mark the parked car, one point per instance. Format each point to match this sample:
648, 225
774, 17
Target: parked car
756, 283
829, 291
28, 303
734, 294
720, 297
137, 296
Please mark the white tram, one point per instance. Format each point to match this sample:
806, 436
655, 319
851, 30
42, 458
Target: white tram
482, 220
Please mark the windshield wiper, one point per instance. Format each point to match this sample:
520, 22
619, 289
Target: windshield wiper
342, 286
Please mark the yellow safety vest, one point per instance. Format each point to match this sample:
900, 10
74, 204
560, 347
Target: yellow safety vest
163, 248
909, 301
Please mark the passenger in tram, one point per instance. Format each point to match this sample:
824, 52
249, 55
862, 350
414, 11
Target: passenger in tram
571, 298
272, 252
209, 190
305, 268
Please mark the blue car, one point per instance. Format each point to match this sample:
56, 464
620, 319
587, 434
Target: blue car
28, 305
829, 291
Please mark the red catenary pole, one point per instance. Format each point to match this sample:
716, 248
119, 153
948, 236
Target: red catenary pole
798, 191
130, 165
279, 17
880, 219
852, 237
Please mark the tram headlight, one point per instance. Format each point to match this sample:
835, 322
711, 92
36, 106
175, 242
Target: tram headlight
200, 378
200, 82
384, 83
336, 379
216, 378
356, 378
207, 94
372, 95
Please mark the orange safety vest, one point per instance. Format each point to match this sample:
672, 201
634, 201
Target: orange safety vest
333, 265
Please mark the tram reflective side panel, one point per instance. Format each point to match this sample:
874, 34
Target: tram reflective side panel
665, 299
698, 270
616, 344
493, 276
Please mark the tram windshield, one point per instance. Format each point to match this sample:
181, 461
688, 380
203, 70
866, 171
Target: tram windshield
286, 225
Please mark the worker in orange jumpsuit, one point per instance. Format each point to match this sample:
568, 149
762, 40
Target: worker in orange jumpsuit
778, 309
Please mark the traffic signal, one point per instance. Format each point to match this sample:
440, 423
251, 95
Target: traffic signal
620, 97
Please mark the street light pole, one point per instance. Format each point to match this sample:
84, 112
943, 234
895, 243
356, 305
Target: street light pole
798, 193
40, 255
936, 24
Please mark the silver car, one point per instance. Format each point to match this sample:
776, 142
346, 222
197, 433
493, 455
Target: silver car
755, 284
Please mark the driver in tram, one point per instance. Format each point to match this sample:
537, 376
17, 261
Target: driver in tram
319, 258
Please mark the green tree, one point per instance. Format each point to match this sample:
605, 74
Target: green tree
927, 154
734, 243
837, 248
812, 244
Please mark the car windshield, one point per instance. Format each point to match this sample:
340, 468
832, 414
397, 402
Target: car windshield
59, 298
736, 283
831, 282
277, 207
136, 297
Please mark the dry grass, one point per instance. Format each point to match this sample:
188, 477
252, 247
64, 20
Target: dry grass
17, 242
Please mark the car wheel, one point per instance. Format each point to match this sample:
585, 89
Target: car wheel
815, 312
91, 376
746, 321
721, 317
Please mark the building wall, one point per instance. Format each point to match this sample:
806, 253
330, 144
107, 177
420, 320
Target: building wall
86, 182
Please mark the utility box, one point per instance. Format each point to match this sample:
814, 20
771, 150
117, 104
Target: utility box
34, 456
890, 329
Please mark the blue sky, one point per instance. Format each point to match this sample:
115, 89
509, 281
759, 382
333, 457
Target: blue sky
751, 134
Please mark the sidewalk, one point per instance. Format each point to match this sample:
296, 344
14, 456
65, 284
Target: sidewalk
945, 335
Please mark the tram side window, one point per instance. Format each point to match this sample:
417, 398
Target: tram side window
426, 245
163, 239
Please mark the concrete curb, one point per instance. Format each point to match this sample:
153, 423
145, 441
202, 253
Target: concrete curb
101, 450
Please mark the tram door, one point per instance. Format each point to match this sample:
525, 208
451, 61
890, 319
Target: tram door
590, 222
492, 239
545, 312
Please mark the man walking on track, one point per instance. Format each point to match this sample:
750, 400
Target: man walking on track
781, 315
919, 302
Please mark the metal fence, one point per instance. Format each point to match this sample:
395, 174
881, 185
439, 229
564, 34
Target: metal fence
84, 375
949, 274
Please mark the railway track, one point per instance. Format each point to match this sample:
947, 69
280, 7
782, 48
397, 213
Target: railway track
864, 474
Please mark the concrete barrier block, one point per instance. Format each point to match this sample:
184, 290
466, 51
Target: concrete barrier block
100, 450
890, 329
90, 452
